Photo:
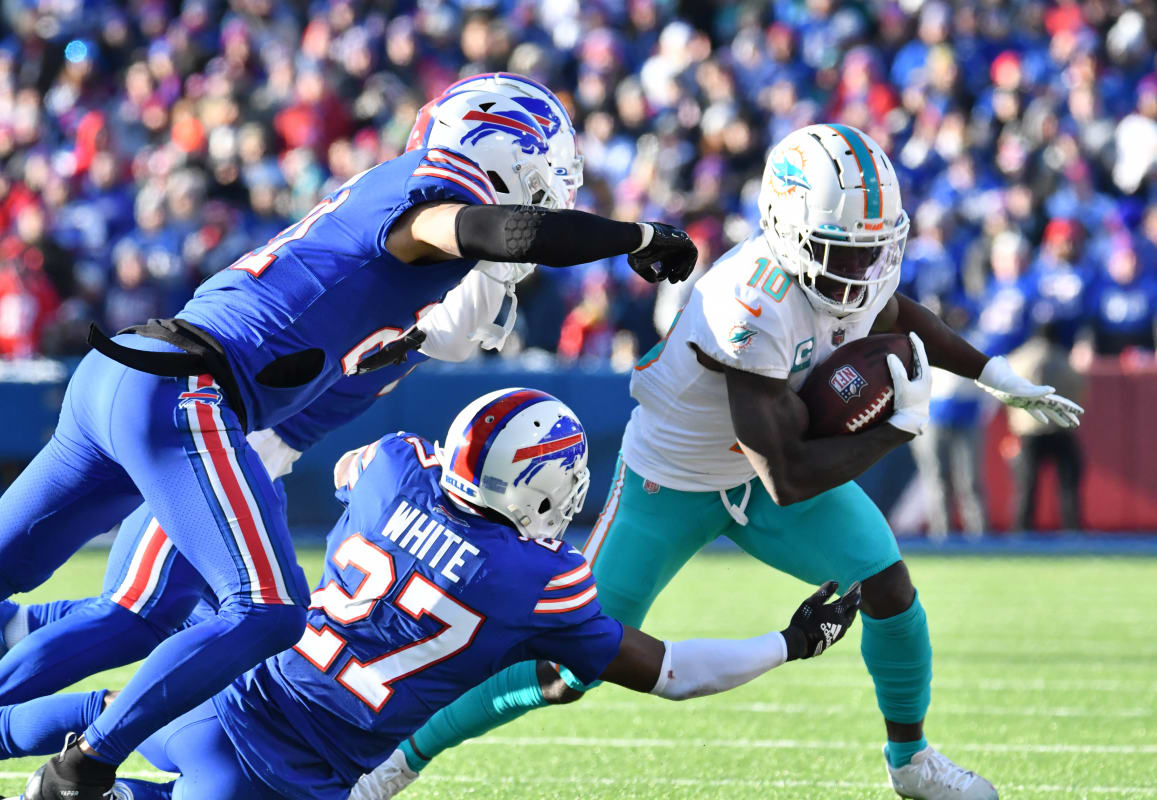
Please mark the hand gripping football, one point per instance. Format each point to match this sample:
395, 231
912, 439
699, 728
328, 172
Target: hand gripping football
851, 391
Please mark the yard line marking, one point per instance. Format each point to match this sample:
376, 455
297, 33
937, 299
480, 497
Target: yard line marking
782, 783
763, 783
805, 708
144, 775
1137, 686
802, 744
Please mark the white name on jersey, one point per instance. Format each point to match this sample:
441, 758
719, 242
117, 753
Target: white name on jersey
415, 532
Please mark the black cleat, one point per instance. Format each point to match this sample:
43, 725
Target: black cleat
72, 775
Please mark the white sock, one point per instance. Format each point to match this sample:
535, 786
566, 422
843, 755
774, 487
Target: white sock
17, 628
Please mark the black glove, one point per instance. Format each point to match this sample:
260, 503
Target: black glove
815, 626
392, 354
670, 256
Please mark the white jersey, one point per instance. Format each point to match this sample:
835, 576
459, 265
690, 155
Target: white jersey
746, 313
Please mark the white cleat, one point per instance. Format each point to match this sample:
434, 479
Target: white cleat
388, 778
931, 775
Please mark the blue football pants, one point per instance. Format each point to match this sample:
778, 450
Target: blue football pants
125, 435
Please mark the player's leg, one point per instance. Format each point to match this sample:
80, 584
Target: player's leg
68, 494
38, 727
215, 501
149, 591
842, 535
643, 536
195, 746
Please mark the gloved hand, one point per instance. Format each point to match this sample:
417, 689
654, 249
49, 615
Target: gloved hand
817, 625
667, 253
913, 395
998, 379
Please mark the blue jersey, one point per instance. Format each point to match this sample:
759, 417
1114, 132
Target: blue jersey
299, 313
342, 402
419, 602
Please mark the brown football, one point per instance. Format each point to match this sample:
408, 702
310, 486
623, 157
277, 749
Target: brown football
851, 391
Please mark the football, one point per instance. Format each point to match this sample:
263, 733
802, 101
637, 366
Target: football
851, 391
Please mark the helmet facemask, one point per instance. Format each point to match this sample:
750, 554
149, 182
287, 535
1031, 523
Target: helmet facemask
839, 271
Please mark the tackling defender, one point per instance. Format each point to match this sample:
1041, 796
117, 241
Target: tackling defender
160, 413
716, 445
442, 570
149, 588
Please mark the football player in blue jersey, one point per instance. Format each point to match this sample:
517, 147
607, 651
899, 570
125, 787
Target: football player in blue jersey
149, 588
445, 568
160, 412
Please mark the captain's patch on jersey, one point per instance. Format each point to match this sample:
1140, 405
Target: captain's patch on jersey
740, 337
847, 382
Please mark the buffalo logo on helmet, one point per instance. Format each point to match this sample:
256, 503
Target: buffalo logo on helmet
787, 173
565, 442
208, 395
847, 382
519, 125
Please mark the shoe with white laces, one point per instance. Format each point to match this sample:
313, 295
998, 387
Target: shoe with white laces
388, 778
931, 775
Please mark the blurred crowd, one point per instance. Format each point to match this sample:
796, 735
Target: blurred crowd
145, 144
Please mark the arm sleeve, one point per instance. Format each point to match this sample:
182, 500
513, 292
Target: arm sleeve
724, 326
450, 324
699, 667
554, 238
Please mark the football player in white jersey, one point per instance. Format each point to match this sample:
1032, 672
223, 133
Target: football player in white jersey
716, 445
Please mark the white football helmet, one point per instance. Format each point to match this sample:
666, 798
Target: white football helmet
521, 453
541, 103
830, 209
501, 137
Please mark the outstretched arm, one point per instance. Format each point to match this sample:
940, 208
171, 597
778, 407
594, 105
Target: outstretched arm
949, 350
946, 348
554, 238
699, 667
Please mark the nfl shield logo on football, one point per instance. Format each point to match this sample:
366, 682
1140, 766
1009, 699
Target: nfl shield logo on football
838, 337
847, 382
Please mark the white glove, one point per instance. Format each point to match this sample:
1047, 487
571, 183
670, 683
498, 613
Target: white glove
912, 394
998, 379
276, 456
388, 778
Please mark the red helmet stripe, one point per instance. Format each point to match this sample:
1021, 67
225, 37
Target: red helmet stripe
542, 449
498, 119
491, 418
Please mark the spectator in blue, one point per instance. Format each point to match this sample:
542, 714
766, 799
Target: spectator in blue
132, 295
1123, 304
1060, 277
1005, 320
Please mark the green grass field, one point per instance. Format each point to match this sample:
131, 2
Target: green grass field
1046, 682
